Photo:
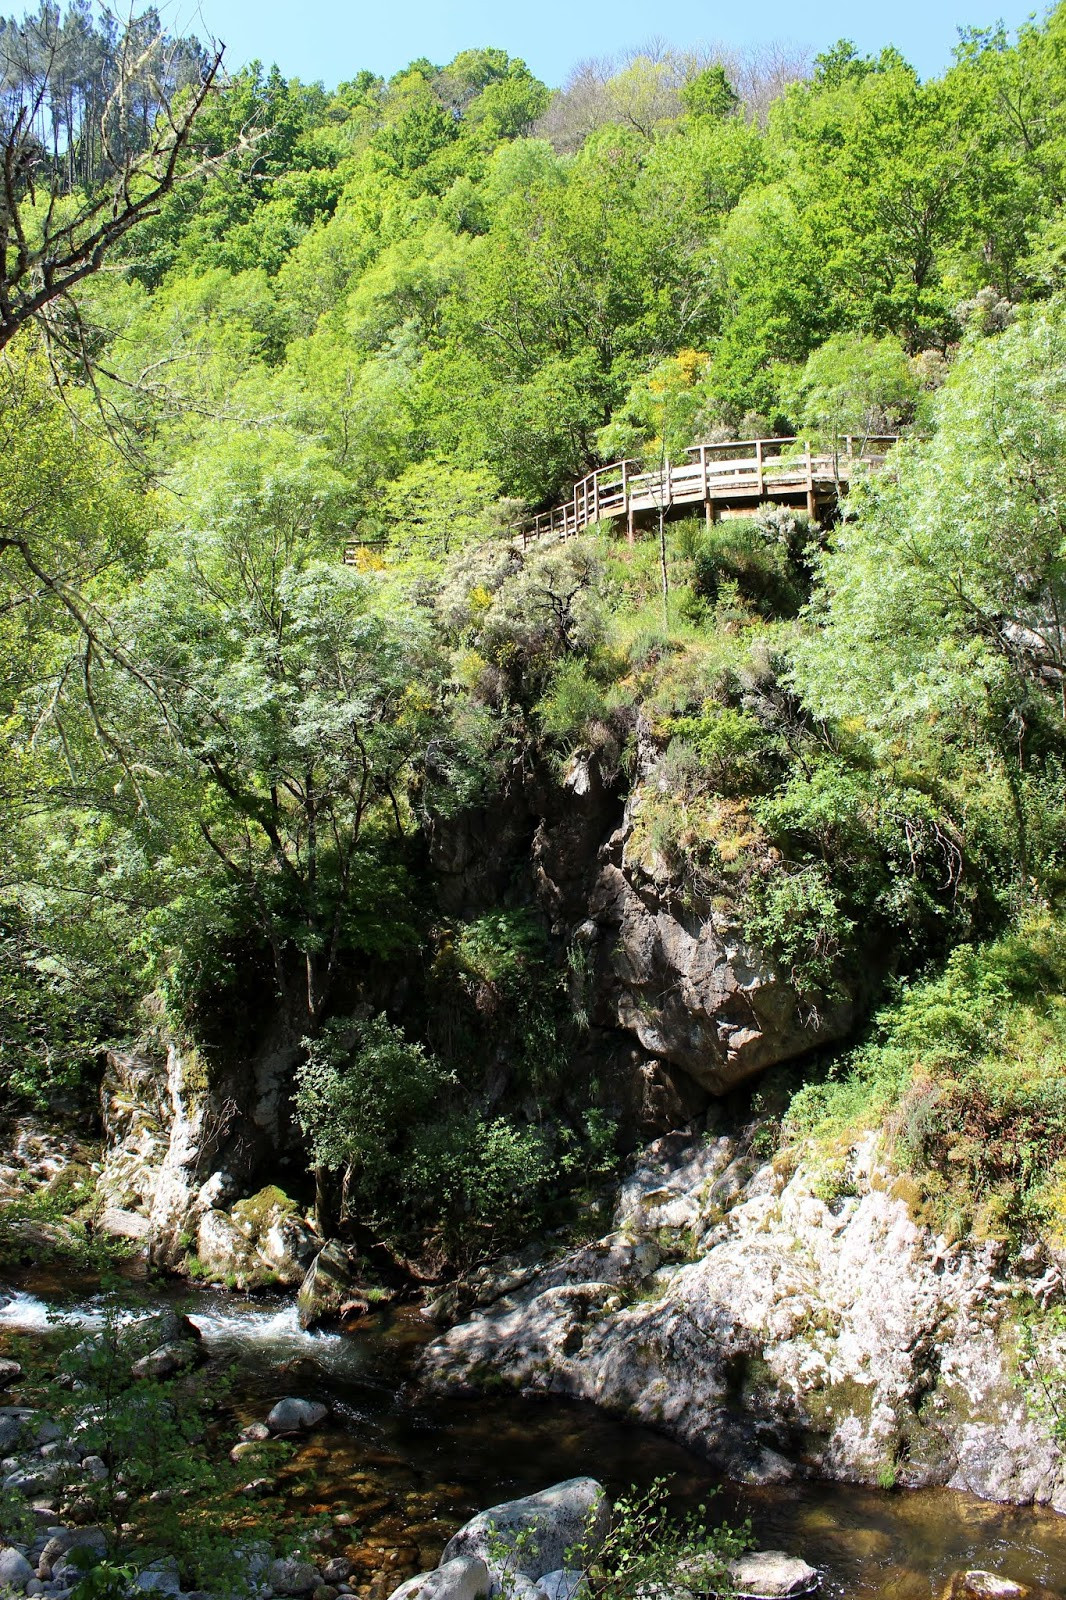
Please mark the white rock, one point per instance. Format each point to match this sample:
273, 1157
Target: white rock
990, 1586
464, 1578
15, 1570
123, 1224
772, 1575
554, 1521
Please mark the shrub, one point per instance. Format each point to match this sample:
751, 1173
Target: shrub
797, 919
967, 1074
738, 558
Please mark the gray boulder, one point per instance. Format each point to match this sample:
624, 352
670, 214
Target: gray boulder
158, 1580
10, 1428
772, 1575
566, 1584
122, 1224
327, 1284
66, 1540
464, 1578
10, 1372
552, 1522
172, 1327
26, 1480
168, 1360
295, 1416
291, 1576
15, 1570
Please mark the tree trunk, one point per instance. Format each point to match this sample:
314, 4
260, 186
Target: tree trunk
662, 566
327, 1218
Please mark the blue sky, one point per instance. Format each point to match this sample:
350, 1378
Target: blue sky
333, 39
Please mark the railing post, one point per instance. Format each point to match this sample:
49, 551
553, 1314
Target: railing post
758, 467
812, 503
595, 497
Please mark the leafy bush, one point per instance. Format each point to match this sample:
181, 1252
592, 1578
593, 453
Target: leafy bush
743, 557
967, 1074
421, 1166
731, 747
649, 1548
797, 919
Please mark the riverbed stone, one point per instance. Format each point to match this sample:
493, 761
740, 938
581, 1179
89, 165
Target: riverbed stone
538, 1531
172, 1327
167, 1360
772, 1575
64, 1541
291, 1576
568, 1583
158, 1580
295, 1416
10, 1372
328, 1283
977, 1584
15, 1570
459, 1578
10, 1429
26, 1480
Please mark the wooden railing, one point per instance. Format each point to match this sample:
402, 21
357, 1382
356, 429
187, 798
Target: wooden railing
715, 475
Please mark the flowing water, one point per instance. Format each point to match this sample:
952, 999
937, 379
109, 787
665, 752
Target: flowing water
396, 1473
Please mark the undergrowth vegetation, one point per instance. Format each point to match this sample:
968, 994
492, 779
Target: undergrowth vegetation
965, 1073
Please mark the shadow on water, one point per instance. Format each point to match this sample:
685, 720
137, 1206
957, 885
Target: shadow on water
396, 1472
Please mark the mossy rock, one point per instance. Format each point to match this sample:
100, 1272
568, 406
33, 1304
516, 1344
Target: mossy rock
258, 1211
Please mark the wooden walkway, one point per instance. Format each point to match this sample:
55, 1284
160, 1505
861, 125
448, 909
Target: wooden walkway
726, 479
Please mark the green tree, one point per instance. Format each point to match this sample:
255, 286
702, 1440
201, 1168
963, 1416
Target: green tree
943, 601
854, 386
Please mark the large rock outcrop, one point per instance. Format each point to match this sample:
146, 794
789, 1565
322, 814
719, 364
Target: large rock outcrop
781, 1329
181, 1151
673, 973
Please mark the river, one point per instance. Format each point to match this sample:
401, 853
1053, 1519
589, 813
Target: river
398, 1472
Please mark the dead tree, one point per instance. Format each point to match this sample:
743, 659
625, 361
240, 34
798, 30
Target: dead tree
53, 234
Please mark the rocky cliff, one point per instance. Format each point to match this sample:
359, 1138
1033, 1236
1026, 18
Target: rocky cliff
782, 1329
669, 970
679, 1007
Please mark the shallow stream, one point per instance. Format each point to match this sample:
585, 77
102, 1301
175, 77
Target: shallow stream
397, 1474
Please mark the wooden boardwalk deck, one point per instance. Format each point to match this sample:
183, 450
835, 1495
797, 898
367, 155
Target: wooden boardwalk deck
731, 478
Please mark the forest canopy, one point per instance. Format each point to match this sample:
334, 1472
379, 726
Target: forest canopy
390, 318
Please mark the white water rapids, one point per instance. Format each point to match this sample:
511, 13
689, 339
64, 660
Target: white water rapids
268, 1335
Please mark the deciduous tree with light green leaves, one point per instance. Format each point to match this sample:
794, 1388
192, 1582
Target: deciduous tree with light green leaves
942, 603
